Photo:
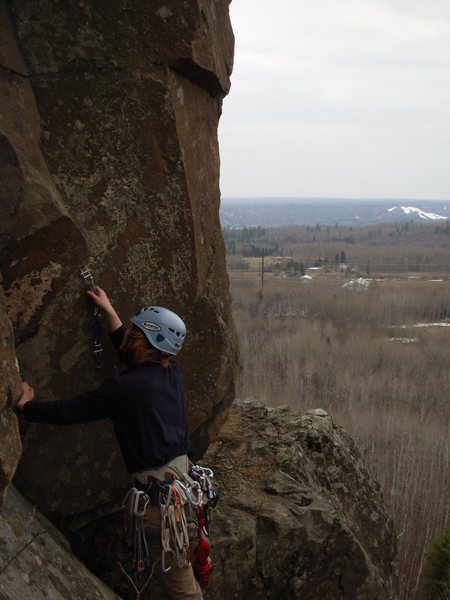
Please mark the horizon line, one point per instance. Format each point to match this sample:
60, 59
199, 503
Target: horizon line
351, 198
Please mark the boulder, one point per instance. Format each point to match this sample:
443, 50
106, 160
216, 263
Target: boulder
299, 515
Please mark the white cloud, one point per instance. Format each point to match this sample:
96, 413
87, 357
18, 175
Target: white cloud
347, 98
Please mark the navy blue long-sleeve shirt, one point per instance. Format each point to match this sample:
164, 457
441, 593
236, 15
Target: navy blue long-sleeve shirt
145, 403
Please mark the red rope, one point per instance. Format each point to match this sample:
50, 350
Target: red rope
202, 562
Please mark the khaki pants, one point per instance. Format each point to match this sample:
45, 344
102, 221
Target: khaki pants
178, 584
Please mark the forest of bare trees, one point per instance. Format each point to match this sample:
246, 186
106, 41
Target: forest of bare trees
376, 356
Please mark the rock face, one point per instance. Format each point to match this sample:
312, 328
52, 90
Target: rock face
36, 561
299, 515
10, 390
108, 142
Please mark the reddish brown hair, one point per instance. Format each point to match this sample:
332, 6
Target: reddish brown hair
137, 349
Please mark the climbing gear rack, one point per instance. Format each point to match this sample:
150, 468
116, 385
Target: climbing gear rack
183, 500
88, 279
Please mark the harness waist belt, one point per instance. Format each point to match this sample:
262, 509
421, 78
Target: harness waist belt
176, 468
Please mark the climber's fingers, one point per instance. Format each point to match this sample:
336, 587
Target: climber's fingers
27, 395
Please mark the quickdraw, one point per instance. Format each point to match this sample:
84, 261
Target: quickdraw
203, 476
88, 279
174, 532
134, 506
202, 564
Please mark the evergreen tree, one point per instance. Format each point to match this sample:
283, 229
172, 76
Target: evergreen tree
436, 584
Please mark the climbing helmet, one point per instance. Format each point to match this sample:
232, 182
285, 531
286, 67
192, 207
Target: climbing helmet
162, 327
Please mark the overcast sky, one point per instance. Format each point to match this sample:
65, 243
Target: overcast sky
338, 98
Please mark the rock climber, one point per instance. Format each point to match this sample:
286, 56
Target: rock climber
146, 406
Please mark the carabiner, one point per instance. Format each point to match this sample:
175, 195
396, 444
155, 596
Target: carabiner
208, 471
163, 560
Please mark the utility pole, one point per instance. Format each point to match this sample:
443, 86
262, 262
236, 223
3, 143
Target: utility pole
262, 269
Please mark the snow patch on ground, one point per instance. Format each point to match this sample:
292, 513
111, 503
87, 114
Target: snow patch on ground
358, 284
404, 340
445, 323
440, 324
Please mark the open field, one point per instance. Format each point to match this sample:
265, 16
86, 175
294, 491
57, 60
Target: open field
369, 355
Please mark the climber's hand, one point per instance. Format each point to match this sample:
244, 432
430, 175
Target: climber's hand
100, 298
27, 395
102, 301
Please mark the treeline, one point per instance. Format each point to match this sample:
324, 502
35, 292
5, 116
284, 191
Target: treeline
427, 234
370, 251
249, 241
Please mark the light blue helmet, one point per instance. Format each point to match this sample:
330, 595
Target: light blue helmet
162, 327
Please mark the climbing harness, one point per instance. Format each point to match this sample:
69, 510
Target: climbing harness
88, 279
184, 498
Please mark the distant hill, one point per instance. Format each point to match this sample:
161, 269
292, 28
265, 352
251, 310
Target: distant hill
267, 212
